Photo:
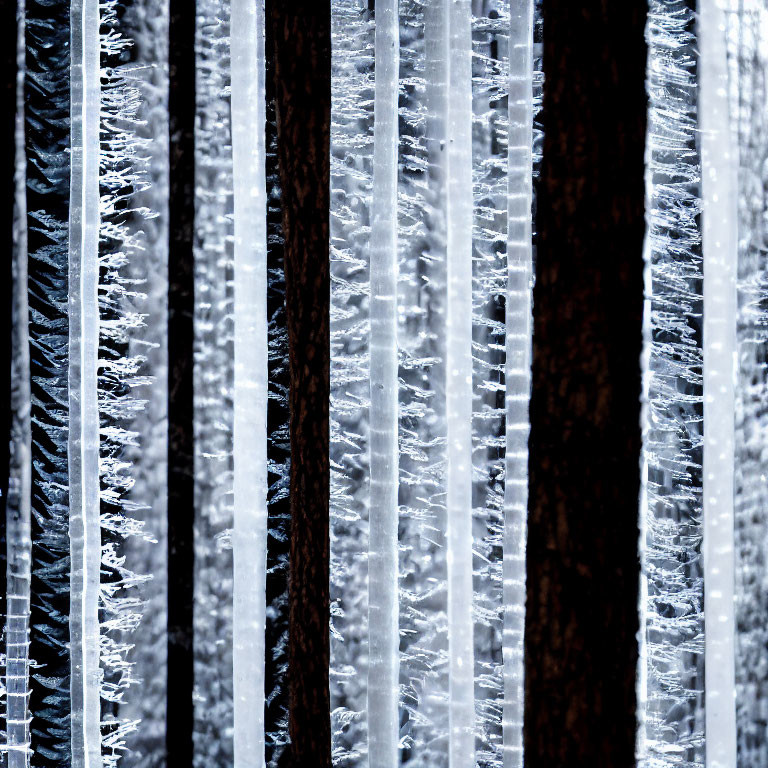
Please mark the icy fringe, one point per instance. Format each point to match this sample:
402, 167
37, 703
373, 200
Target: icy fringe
15, 737
122, 174
146, 22
47, 141
423, 91
214, 413
670, 685
352, 51
214, 384
748, 67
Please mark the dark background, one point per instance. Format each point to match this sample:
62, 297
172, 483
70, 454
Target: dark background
585, 438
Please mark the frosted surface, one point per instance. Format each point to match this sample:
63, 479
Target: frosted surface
672, 728
462, 328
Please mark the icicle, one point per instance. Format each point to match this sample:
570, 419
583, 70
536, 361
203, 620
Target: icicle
382, 540
231, 390
422, 211
83, 449
352, 96
719, 248
249, 537
458, 388
518, 370
672, 649
18, 510
454, 180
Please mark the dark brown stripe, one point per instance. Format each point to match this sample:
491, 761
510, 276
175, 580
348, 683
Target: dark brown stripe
585, 411
302, 70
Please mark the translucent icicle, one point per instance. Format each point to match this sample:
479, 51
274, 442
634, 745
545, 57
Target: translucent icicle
352, 99
84, 530
249, 537
382, 540
231, 388
517, 370
671, 683
719, 247
458, 387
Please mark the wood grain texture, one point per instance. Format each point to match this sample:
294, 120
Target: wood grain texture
302, 70
583, 567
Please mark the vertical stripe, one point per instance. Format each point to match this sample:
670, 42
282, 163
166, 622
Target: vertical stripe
719, 192
517, 370
249, 537
383, 542
459, 388
84, 531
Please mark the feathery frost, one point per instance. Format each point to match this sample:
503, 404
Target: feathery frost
672, 653
457, 330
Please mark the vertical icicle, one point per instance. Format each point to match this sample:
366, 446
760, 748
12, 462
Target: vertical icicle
422, 195
518, 370
454, 176
719, 247
231, 386
458, 387
249, 537
18, 523
672, 730
382, 538
84, 531
352, 102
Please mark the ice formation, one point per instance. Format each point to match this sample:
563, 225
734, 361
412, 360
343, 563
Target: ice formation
701, 696
79, 312
432, 262
241, 459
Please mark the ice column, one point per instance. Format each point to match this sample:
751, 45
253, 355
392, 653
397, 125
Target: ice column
425, 497
84, 483
719, 196
672, 646
231, 386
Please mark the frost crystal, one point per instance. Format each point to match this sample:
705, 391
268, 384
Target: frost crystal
431, 249
700, 684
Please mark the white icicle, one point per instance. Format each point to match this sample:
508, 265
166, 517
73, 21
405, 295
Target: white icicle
352, 49
213, 391
719, 158
382, 559
249, 538
518, 370
459, 388
85, 531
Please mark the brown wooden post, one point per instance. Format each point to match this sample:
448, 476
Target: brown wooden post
301, 40
585, 410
